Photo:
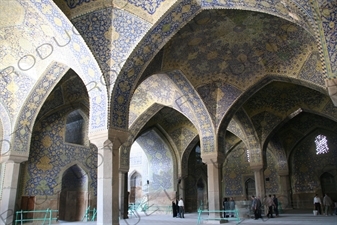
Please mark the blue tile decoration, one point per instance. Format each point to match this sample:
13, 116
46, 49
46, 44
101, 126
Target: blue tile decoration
94, 28
329, 23
307, 167
302, 125
184, 99
149, 5
160, 160
72, 4
14, 88
237, 165
204, 126
89, 71
279, 153
50, 156
5, 123
265, 122
134, 132
312, 70
218, 97
271, 186
252, 141
24, 126
146, 49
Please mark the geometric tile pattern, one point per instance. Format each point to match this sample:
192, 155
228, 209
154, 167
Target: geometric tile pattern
27, 116
286, 100
307, 166
50, 156
80, 59
279, 153
146, 49
160, 160
236, 167
327, 31
149, 5
301, 126
5, 129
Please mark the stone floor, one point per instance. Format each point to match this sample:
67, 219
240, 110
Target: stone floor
291, 217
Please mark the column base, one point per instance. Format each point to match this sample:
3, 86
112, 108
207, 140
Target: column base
215, 221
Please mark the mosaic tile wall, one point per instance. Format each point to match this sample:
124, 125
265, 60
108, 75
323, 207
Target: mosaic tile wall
301, 126
237, 167
160, 161
78, 57
307, 167
50, 156
143, 54
196, 171
275, 108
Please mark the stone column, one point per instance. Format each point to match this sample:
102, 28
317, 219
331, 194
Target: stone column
259, 180
104, 177
118, 138
108, 143
123, 194
214, 163
284, 197
7, 207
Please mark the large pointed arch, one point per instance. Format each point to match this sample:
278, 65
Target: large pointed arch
169, 24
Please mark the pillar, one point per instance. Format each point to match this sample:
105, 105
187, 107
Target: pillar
123, 194
104, 177
259, 180
214, 164
11, 176
108, 143
284, 197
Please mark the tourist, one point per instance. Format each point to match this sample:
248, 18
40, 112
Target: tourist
317, 203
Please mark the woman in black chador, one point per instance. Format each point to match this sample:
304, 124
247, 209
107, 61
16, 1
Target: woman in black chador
174, 209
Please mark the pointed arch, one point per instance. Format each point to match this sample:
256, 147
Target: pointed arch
163, 30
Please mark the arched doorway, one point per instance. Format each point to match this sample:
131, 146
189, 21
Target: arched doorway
202, 199
250, 188
73, 196
328, 185
135, 188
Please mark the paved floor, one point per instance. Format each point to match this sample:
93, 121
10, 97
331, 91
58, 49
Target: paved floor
291, 217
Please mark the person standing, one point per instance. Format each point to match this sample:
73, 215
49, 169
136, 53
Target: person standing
317, 203
174, 209
181, 208
225, 206
259, 205
275, 200
270, 204
232, 206
256, 207
327, 202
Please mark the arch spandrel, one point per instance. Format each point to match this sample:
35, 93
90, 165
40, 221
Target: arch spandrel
56, 39
6, 130
164, 29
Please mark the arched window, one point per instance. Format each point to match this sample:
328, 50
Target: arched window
248, 155
75, 128
321, 144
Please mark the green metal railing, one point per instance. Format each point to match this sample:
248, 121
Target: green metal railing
90, 214
235, 214
48, 216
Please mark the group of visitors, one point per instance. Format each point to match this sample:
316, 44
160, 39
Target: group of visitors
228, 204
270, 203
178, 208
328, 205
